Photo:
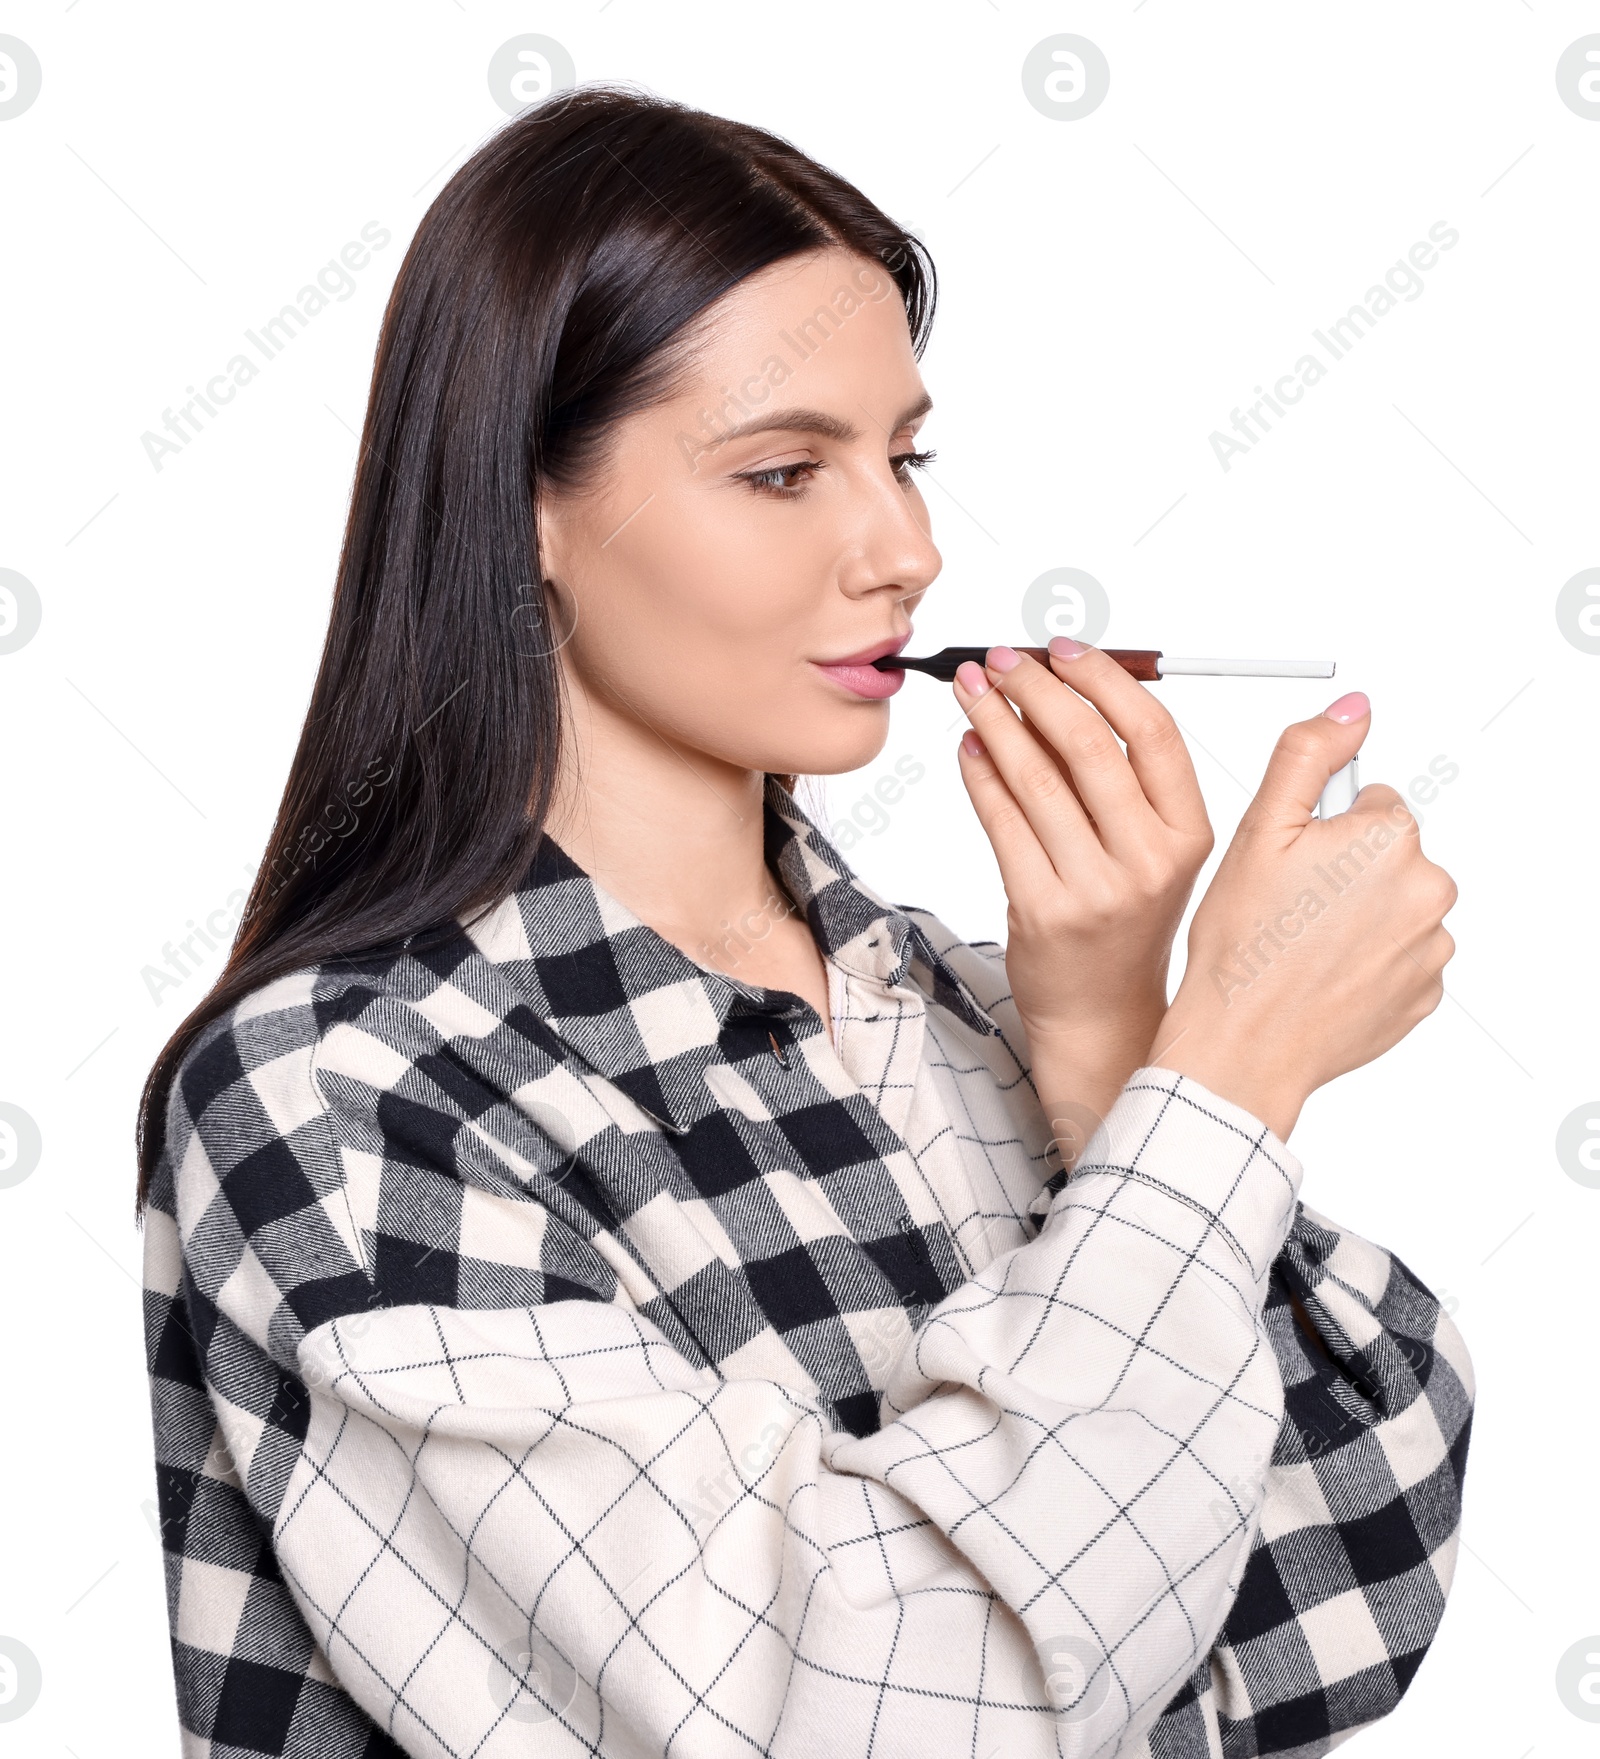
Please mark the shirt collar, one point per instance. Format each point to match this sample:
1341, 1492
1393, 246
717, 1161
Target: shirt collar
642, 1013
856, 928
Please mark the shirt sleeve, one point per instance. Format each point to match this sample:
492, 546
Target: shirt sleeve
1356, 1547
542, 1513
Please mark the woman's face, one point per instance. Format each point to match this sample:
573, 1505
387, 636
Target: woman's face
755, 530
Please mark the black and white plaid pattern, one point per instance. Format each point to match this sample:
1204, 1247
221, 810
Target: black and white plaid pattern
558, 1346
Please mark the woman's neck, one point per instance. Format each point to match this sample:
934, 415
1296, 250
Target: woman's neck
673, 833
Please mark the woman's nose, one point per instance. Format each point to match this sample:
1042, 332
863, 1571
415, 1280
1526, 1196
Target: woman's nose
895, 550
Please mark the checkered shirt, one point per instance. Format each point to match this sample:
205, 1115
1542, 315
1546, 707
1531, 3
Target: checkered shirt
558, 1347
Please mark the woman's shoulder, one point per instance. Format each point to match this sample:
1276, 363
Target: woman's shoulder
262, 1047
369, 1132
345, 1119
323, 1048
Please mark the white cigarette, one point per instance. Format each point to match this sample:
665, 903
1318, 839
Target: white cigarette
1169, 667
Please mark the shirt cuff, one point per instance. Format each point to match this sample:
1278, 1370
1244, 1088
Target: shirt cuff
1168, 1131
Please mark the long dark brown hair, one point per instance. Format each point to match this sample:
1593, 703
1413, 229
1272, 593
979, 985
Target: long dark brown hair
534, 308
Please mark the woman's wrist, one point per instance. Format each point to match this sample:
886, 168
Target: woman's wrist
1079, 1073
1242, 1074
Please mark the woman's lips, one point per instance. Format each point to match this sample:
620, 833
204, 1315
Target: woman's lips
860, 677
863, 680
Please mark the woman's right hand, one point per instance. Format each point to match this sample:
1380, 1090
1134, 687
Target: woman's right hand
1319, 943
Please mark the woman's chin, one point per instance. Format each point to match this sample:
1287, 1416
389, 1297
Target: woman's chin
848, 743
837, 742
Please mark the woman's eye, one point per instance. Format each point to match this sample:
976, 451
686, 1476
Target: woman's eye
790, 481
904, 461
776, 479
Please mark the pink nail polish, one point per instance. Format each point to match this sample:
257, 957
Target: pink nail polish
1349, 708
969, 675
1004, 658
1065, 648
971, 744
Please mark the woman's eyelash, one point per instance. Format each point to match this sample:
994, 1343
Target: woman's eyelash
769, 481
772, 481
912, 460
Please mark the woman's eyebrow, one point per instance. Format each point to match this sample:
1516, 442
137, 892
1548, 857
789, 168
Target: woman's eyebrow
815, 421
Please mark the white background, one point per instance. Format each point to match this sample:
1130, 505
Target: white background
1112, 287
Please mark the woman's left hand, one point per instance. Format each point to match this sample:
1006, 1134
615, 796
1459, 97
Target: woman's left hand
1098, 849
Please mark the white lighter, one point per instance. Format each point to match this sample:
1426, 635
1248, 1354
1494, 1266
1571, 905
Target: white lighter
1340, 793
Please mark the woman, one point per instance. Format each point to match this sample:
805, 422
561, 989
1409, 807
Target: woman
608, 1269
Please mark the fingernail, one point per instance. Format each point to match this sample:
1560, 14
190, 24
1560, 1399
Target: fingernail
971, 744
1065, 648
969, 675
1349, 708
1004, 658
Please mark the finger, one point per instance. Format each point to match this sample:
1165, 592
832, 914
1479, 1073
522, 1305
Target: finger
1026, 870
1061, 764
1156, 749
1086, 743
1436, 952
1031, 773
1306, 755
1385, 804
1426, 962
